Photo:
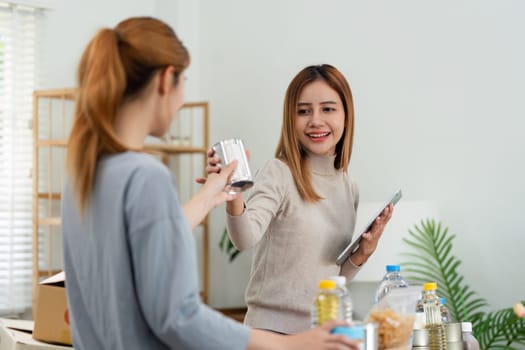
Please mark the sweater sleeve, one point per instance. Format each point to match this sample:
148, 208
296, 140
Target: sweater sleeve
165, 275
349, 269
262, 205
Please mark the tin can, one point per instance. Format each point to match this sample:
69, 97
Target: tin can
420, 338
233, 149
371, 336
454, 332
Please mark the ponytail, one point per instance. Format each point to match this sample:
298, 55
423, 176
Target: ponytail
101, 85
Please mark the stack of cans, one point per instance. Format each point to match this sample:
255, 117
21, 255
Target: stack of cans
454, 338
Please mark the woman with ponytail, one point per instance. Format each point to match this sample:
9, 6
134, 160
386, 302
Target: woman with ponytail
129, 254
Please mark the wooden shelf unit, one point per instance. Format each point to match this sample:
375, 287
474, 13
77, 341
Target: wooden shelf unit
53, 112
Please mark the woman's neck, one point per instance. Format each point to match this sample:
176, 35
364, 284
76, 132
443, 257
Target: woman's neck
322, 165
133, 123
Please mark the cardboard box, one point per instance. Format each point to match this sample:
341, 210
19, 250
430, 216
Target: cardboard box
51, 312
16, 335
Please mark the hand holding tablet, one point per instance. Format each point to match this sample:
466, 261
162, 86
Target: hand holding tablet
354, 245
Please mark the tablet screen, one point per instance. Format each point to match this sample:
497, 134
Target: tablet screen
354, 244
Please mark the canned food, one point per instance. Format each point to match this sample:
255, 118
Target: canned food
420, 338
454, 332
228, 151
371, 336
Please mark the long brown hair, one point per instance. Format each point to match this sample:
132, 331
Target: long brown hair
116, 66
289, 149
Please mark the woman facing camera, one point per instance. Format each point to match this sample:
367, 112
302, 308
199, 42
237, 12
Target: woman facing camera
302, 208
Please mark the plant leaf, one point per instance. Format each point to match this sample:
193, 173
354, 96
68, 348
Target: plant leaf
222, 242
226, 246
501, 329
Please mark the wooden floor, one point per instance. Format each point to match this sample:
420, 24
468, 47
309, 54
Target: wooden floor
235, 313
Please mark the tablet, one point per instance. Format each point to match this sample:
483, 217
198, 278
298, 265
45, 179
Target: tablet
352, 247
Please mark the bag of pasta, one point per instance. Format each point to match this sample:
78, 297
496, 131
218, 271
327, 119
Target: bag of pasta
394, 315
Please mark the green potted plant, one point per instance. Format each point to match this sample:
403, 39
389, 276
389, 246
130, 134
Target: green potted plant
431, 259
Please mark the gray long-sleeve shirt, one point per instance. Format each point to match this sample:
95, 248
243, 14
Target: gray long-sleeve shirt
131, 270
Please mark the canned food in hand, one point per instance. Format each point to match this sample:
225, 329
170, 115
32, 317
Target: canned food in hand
233, 149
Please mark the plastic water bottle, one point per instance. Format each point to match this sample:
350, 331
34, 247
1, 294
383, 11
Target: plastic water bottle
469, 341
346, 306
326, 303
392, 279
437, 337
445, 313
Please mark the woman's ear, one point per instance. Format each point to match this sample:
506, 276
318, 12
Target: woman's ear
166, 79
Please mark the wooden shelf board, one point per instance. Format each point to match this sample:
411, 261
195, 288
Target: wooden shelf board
50, 221
161, 147
47, 195
237, 313
47, 273
68, 93
173, 149
52, 143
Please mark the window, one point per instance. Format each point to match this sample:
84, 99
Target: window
19, 29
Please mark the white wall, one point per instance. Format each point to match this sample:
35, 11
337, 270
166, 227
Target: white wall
71, 24
437, 90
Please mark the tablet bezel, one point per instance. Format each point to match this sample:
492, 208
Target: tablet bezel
354, 244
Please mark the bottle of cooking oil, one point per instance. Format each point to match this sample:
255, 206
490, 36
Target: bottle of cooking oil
437, 337
326, 303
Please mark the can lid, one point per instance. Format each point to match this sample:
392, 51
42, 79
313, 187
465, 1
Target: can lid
353, 332
430, 286
393, 268
327, 284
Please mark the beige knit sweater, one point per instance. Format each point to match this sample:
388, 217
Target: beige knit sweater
296, 243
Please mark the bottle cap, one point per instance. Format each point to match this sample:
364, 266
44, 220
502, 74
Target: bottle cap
430, 286
393, 268
327, 284
466, 326
339, 280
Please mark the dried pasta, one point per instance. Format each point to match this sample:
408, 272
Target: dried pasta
394, 329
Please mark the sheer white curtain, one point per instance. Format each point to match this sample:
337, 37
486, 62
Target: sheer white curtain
19, 33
